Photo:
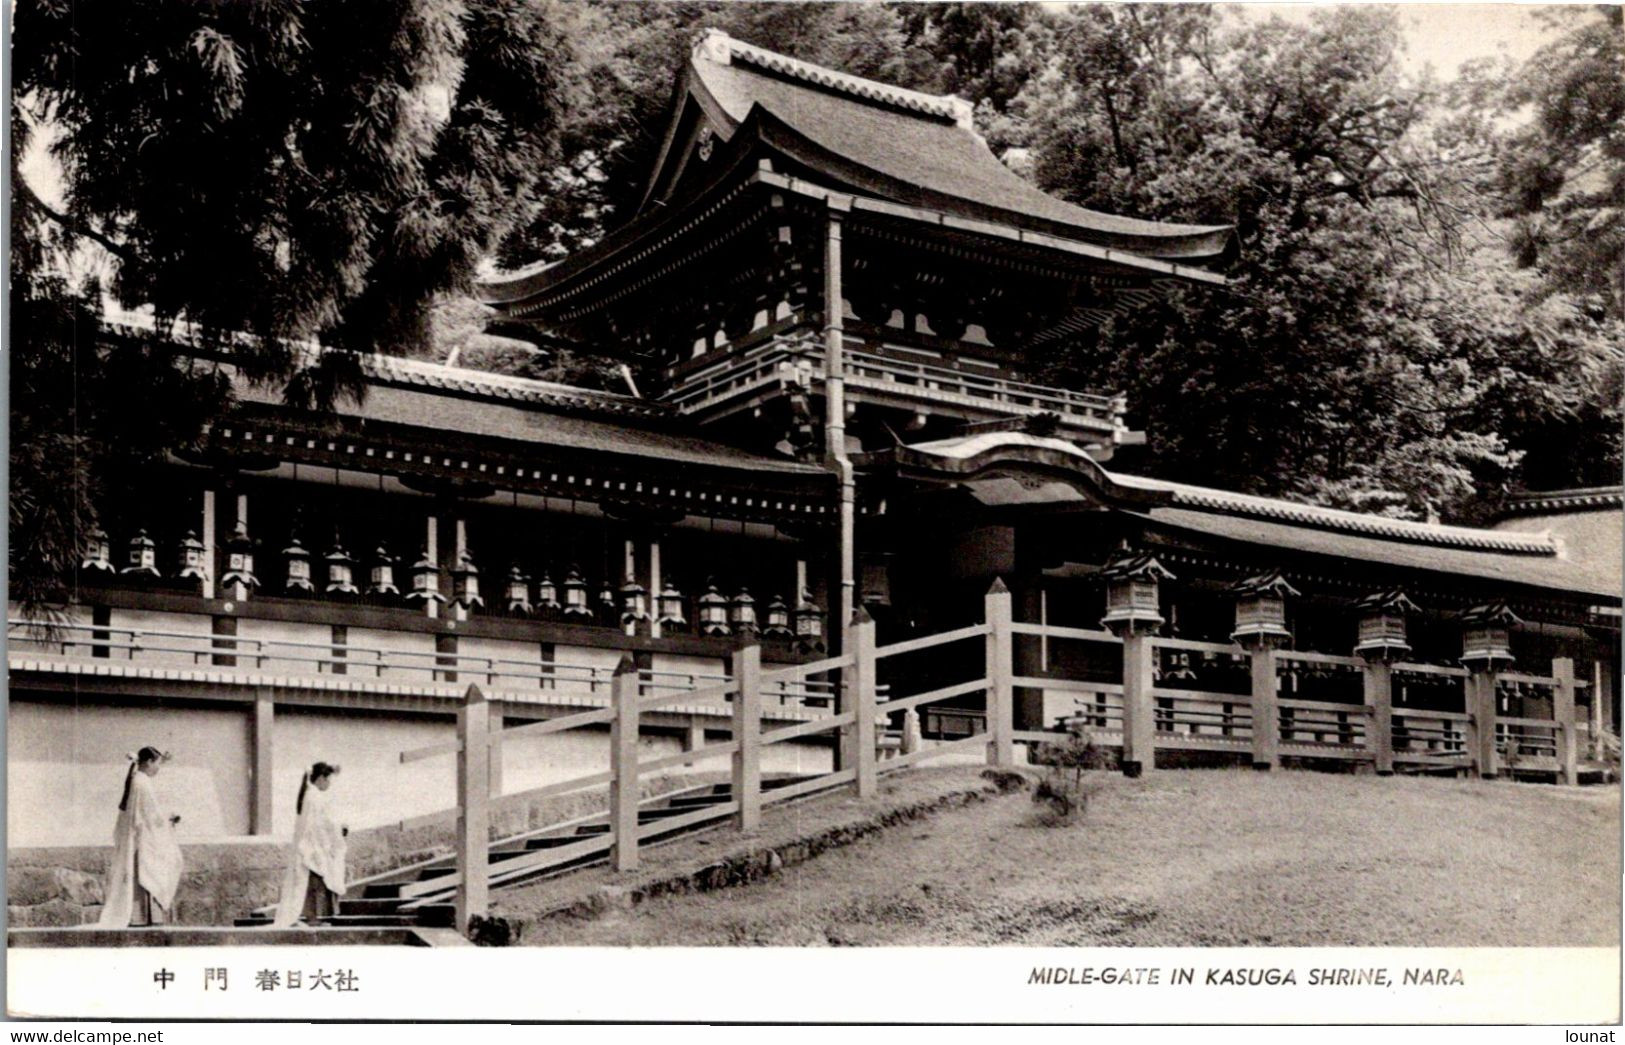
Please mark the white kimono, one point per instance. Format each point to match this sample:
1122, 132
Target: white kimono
318, 846
145, 853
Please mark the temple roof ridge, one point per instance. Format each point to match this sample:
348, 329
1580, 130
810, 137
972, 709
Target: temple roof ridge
719, 47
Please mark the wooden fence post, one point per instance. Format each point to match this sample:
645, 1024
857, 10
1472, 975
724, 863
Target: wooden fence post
473, 807
623, 764
1563, 712
1000, 691
260, 820
747, 761
1481, 723
862, 691
1379, 697
1266, 713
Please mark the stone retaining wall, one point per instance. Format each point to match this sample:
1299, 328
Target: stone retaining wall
225, 880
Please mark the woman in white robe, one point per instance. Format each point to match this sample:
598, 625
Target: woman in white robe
146, 866
314, 880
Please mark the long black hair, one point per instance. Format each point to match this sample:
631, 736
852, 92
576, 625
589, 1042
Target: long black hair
142, 757
317, 771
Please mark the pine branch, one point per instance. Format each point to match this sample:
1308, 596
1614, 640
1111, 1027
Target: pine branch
73, 224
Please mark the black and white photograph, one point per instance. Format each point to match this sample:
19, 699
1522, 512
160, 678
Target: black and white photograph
1053, 494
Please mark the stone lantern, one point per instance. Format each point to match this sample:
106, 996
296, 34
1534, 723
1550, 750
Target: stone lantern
776, 623
192, 561
143, 560
609, 608
1382, 625
742, 614
670, 610
425, 581
381, 576
713, 612
1133, 601
1486, 636
517, 592
809, 623
1261, 610
575, 596
465, 583
98, 553
239, 579
298, 569
340, 571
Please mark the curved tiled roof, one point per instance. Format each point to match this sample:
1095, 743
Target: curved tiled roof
912, 148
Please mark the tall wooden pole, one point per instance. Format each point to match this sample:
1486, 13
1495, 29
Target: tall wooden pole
473, 806
835, 423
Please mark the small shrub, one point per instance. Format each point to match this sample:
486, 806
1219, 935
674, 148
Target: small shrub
492, 931
1064, 789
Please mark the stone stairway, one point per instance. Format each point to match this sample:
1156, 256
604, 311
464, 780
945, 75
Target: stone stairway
410, 897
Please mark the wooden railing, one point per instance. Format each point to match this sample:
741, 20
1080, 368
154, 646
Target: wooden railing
768, 365
426, 666
1142, 713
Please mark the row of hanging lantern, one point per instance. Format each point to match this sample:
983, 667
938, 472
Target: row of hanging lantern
141, 557
1133, 604
633, 606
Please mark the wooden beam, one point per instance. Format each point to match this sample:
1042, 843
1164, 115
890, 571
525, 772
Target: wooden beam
747, 734
623, 754
262, 811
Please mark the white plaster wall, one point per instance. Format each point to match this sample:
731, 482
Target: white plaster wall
319, 635
191, 624
65, 769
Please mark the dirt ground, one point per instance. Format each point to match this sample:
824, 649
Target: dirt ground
1180, 858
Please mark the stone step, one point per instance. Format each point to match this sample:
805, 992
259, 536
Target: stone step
216, 936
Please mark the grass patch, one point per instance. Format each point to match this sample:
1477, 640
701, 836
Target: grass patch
1184, 858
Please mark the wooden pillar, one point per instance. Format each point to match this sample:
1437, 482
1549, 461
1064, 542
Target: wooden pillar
747, 733
431, 552
835, 421
207, 536
654, 589
1480, 693
996, 611
694, 736
1139, 709
860, 691
1379, 699
260, 813
623, 756
1602, 691
473, 807
1266, 713
1567, 728
459, 548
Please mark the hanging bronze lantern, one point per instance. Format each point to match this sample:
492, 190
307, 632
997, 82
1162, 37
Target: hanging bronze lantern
297, 561
575, 596
634, 603
776, 622
191, 562
547, 598
670, 607
465, 581
1133, 595
1382, 634
381, 576
517, 592
809, 623
609, 611
425, 581
143, 558
98, 554
1486, 636
239, 579
340, 571
742, 614
713, 612
1261, 608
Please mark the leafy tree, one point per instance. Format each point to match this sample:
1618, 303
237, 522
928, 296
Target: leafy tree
277, 169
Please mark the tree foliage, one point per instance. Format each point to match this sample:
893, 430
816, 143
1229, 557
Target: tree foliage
276, 169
